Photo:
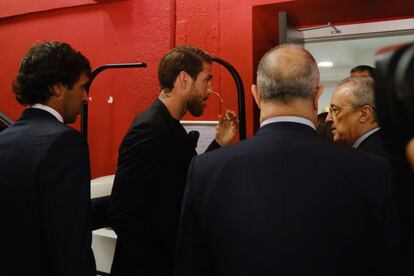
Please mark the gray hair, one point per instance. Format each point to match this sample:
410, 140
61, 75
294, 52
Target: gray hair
362, 91
283, 77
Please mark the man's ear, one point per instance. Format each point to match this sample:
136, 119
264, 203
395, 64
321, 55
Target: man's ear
57, 89
318, 94
367, 113
256, 94
183, 80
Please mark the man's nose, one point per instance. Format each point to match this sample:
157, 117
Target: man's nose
328, 118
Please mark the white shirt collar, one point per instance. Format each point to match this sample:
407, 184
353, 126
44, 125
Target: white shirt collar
48, 109
295, 119
363, 137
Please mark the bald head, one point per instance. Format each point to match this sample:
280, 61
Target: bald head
286, 73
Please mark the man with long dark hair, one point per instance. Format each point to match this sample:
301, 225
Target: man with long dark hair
44, 169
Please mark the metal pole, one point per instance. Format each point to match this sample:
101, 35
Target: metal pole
240, 94
94, 73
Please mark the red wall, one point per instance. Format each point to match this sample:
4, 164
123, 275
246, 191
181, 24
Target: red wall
239, 31
114, 32
10, 8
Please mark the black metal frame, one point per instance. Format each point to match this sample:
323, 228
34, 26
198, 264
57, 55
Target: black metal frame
5, 119
94, 73
240, 95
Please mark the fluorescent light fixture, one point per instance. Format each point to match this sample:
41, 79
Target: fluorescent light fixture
325, 64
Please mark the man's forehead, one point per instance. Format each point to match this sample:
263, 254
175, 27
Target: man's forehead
342, 93
345, 89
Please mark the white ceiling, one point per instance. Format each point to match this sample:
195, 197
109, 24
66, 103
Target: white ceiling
346, 54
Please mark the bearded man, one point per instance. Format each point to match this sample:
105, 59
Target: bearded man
152, 165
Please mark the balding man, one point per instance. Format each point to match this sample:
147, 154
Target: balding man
287, 202
352, 115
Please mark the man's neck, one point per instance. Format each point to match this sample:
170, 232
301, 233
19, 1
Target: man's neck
299, 108
176, 106
368, 127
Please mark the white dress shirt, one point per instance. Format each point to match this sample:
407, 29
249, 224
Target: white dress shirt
295, 119
48, 109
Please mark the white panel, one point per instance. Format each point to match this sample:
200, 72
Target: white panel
207, 130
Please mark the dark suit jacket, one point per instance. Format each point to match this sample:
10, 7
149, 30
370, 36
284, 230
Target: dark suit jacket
45, 188
287, 202
404, 179
374, 145
147, 192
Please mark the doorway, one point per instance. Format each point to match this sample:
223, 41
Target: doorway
336, 58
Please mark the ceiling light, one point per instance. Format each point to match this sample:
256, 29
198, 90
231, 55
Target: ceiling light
325, 64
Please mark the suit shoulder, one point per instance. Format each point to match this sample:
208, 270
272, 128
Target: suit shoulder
67, 141
68, 134
148, 124
360, 156
321, 151
55, 130
355, 165
150, 117
227, 152
41, 132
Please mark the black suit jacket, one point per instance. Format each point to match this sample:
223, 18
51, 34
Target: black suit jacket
404, 179
146, 195
287, 202
374, 145
45, 188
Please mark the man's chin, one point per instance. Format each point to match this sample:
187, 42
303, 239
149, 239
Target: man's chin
197, 112
337, 139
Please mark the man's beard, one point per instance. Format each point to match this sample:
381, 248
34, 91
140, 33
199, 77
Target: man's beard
195, 107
